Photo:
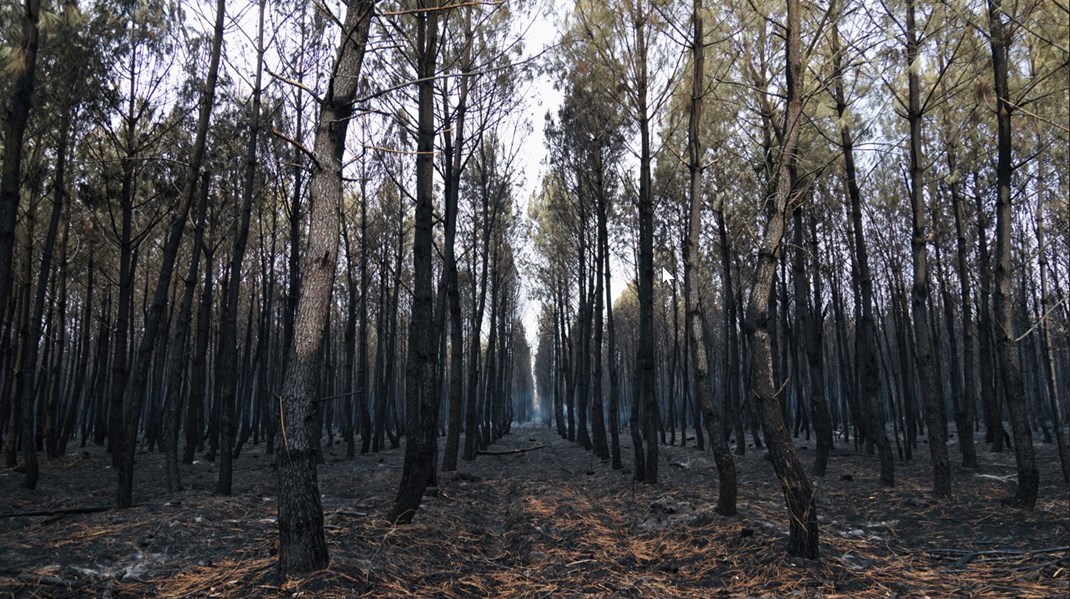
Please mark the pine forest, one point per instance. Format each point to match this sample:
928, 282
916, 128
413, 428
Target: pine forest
535, 298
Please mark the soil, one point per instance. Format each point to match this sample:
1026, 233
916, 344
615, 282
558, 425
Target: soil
548, 521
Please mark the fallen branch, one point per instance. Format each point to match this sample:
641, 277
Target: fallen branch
62, 511
968, 555
50, 580
511, 451
350, 514
69, 584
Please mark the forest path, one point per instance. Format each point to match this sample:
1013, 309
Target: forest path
552, 521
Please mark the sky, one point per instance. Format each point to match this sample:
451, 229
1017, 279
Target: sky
539, 33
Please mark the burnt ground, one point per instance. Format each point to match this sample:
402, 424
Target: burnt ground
551, 521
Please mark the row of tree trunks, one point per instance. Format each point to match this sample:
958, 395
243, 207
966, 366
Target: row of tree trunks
866, 331
155, 318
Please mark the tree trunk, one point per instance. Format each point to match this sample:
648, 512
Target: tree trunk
695, 278
21, 414
195, 410
355, 295
228, 338
733, 373
421, 397
611, 348
994, 432
32, 342
813, 333
647, 363
1045, 332
302, 543
969, 360
1000, 37
798, 491
82, 392
177, 360
471, 438
18, 115
363, 412
935, 417
454, 153
559, 403
582, 341
53, 426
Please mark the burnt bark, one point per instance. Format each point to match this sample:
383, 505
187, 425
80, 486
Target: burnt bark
695, 279
18, 115
228, 342
178, 357
647, 363
302, 542
797, 488
935, 417
421, 398
1000, 38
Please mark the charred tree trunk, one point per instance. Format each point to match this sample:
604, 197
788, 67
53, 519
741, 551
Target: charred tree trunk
935, 417
993, 412
559, 403
695, 279
969, 359
302, 543
733, 373
421, 397
611, 348
228, 342
797, 488
18, 115
647, 363
488, 219
176, 366
1000, 37
1046, 343
454, 153
32, 342
350, 338
598, 420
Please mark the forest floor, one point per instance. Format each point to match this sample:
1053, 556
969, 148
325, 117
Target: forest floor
549, 521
